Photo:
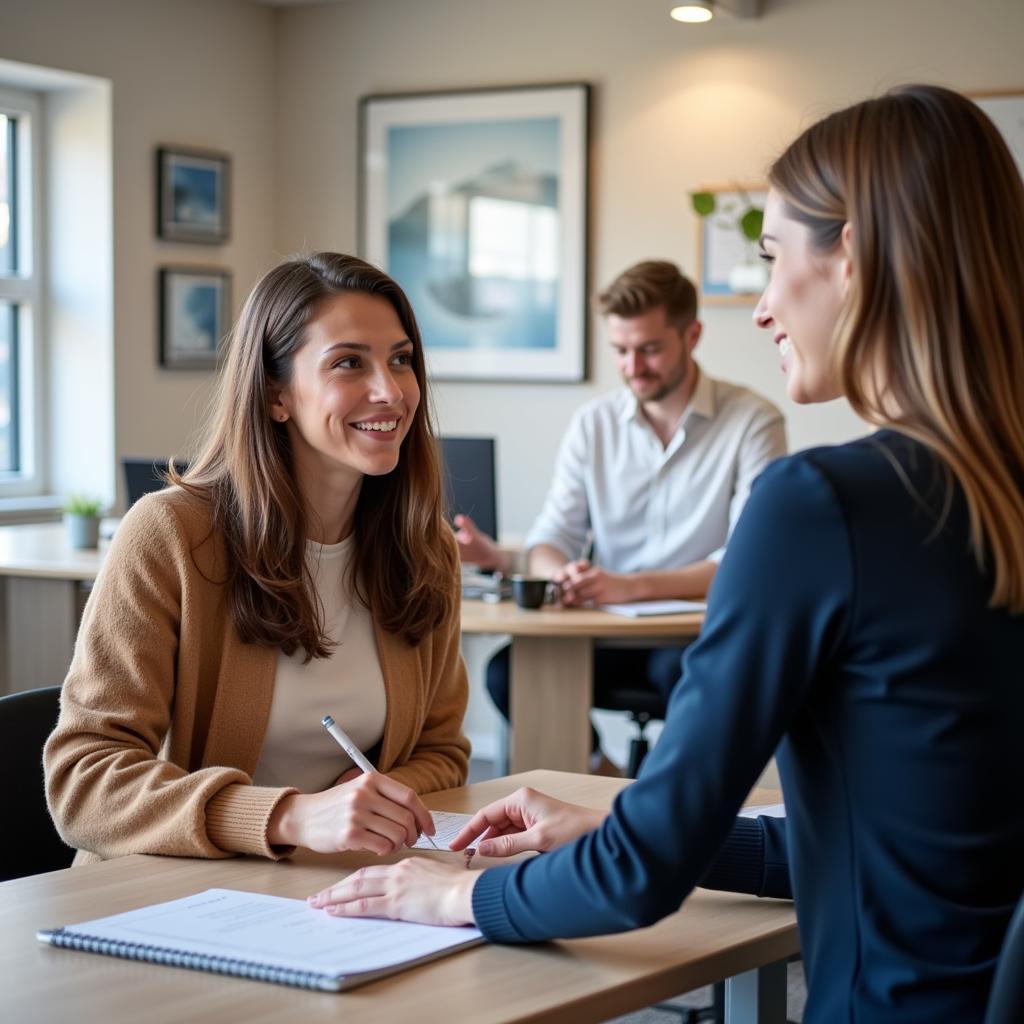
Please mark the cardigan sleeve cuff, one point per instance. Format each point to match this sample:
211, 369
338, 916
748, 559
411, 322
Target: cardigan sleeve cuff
237, 818
739, 864
489, 907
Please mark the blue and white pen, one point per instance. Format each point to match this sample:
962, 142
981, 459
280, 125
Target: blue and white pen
344, 741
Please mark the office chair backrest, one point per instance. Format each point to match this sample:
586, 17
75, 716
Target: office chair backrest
26, 720
141, 476
468, 465
1006, 1000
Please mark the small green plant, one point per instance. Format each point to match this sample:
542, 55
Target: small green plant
83, 505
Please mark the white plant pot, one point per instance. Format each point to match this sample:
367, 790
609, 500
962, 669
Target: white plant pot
83, 531
748, 278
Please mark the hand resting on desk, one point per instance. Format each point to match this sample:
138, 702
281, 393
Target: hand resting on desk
432, 892
585, 584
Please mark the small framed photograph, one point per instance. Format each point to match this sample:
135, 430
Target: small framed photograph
193, 195
731, 272
476, 202
195, 311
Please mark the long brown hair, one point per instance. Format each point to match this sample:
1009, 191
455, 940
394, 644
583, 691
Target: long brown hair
405, 569
931, 340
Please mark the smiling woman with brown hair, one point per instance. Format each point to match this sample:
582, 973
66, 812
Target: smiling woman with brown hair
867, 619
301, 566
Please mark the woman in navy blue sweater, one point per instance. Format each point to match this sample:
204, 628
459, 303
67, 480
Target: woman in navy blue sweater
866, 620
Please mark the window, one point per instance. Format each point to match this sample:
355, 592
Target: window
20, 295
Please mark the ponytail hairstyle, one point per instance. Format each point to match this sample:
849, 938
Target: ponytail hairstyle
404, 568
931, 339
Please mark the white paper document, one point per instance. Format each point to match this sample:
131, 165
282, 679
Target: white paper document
448, 825
765, 810
637, 609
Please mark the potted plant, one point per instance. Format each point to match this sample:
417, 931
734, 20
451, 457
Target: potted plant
82, 516
736, 211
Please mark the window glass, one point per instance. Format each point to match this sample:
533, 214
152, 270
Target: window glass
7, 247
8, 388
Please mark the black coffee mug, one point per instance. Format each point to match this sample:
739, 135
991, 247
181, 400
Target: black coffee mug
529, 591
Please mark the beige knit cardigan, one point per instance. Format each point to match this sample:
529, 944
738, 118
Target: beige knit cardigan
164, 709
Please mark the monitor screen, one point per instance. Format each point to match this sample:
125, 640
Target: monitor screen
468, 466
141, 476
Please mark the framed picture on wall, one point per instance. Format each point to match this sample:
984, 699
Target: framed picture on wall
193, 195
731, 272
195, 311
476, 202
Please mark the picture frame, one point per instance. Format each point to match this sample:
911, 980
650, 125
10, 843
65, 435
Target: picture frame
476, 202
193, 190
194, 316
1006, 109
730, 271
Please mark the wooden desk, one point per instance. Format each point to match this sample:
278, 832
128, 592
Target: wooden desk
551, 684
41, 596
714, 936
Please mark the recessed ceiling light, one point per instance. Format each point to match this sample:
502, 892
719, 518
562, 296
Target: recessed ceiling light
694, 12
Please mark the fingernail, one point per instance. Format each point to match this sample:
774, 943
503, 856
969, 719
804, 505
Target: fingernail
485, 849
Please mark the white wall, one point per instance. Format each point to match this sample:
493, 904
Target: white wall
675, 107
193, 72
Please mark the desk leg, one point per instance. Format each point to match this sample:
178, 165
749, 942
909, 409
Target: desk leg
758, 996
41, 620
551, 690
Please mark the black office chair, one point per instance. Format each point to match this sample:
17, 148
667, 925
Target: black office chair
1006, 1000
642, 705
26, 720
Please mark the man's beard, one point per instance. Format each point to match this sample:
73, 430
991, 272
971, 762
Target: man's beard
665, 386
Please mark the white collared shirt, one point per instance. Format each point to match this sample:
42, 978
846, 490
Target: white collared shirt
653, 507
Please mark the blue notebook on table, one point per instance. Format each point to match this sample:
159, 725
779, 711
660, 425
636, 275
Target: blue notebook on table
268, 938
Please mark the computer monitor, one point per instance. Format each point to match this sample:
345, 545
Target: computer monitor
468, 468
141, 476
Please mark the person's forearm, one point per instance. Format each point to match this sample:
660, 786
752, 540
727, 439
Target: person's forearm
689, 583
545, 560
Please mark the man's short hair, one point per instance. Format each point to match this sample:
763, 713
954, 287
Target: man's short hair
647, 285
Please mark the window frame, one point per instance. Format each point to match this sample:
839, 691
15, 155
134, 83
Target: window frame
25, 288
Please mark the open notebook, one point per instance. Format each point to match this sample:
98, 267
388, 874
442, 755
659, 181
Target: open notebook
269, 938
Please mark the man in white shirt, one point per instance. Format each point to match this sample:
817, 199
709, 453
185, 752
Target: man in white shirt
650, 478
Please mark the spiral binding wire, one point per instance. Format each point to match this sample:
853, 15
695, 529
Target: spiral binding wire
196, 961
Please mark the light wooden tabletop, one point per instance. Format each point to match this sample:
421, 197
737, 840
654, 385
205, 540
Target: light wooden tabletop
41, 551
552, 620
714, 935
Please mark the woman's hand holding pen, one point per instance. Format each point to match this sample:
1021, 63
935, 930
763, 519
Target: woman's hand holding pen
369, 812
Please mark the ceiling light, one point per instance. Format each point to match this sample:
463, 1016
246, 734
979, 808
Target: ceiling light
693, 12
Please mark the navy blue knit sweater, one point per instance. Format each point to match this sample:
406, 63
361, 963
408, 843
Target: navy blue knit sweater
848, 626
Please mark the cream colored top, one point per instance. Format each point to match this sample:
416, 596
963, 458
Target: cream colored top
348, 686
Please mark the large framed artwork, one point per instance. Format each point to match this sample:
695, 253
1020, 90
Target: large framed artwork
1007, 112
476, 202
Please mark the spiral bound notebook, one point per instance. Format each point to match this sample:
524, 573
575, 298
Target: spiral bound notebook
269, 938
